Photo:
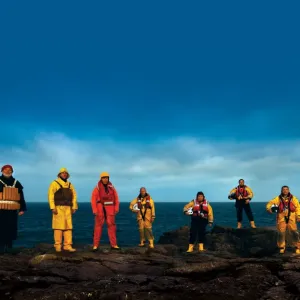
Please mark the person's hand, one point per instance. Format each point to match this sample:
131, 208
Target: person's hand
116, 212
21, 213
152, 220
298, 219
54, 211
247, 201
73, 211
269, 211
135, 211
210, 224
240, 197
95, 214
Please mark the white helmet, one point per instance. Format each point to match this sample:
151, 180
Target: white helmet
136, 207
190, 211
274, 208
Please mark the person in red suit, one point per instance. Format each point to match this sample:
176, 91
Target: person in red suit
105, 206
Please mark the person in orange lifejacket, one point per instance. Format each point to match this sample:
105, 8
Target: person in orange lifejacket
201, 214
144, 208
242, 194
287, 208
105, 206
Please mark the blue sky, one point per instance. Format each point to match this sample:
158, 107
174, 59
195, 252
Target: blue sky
175, 96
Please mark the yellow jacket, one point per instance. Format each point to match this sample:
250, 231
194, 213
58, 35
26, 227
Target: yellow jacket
294, 216
54, 186
210, 210
150, 213
247, 188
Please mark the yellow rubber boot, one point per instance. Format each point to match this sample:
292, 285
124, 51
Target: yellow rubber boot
239, 225
68, 241
201, 247
191, 248
58, 240
142, 237
282, 250
252, 224
297, 251
116, 247
151, 244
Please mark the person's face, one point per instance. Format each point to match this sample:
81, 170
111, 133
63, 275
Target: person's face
241, 182
143, 192
285, 191
104, 180
7, 172
200, 198
64, 175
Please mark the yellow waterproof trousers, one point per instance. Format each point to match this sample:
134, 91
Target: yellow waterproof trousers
63, 219
145, 229
291, 226
58, 237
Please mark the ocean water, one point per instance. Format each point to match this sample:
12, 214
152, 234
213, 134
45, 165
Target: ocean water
35, 225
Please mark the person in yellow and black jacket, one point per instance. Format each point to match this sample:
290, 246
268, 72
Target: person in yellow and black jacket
287, 208
63, 203
201, 214
242, 195
144, 208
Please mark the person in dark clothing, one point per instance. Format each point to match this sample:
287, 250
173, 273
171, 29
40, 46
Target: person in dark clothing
12, 205
201, 215
242, 195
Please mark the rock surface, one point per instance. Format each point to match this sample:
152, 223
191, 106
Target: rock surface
238, 264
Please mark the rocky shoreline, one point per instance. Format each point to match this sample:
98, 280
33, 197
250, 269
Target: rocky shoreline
238, 264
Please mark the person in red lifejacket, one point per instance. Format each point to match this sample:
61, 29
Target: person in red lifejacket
242, 194
287, 208
105, 206
201, 214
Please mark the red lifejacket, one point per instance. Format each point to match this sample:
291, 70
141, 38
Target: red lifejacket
286, 205
106, 197
241, 191
200, 208
139, 201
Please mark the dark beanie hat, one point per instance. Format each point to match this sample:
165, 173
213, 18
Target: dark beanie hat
200, 193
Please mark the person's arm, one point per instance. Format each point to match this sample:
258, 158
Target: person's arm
117, 202
210, 214
132, 203
249, 193
23, 206
187, 206
74, 200
94, 199
52, 189
297, 206
230, 196
152, 209
275, 201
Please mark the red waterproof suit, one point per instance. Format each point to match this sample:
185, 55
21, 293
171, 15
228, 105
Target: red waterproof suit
105, 205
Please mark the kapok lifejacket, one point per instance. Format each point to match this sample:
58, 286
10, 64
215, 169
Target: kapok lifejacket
286, 206
106, 195
200, 208
140, 205
241, 191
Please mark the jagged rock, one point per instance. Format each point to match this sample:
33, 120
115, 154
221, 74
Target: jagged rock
239, 264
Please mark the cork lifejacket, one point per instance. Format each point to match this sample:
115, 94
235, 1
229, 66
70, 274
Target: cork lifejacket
10, 197
200, 209
63, 196
106, 196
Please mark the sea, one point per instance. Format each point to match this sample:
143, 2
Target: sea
35, 224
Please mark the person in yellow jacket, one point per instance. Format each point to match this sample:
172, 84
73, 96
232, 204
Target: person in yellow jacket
144, 208
242, 194
63, 203
202, 215
287, 208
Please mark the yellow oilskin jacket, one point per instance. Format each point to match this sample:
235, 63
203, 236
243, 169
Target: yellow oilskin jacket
63, 219
150, 213
294, 216
210, 210
249, 191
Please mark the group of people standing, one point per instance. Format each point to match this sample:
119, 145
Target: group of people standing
105, 205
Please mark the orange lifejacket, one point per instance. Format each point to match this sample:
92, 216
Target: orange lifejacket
200, 208
106, 195
286, 205
139, 201
241, 191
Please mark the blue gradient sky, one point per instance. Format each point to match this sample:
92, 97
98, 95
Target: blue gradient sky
175, 96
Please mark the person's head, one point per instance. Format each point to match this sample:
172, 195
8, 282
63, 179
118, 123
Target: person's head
241, 182
63, 174
143, 191
104, 177
285, 190
200, 196
7, 170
